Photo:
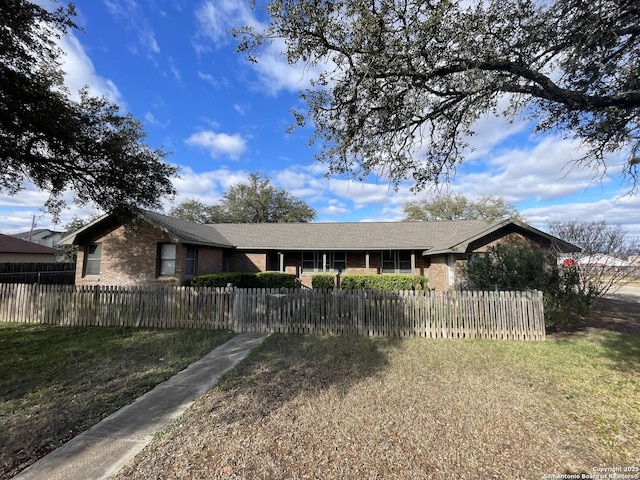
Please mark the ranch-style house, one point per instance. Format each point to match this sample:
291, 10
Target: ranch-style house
156, 249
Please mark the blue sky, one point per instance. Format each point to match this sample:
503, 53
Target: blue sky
172, 65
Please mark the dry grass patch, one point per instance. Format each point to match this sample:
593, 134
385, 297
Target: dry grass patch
349, 407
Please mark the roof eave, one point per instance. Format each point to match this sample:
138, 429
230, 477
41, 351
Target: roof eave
176, 238
461, 247
71, 238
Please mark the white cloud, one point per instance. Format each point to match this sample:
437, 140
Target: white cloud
307, 182
207, 187
615, 211
80, 72
129, 12
215, 18
17, 211
174, 70
491, 130
213, 81
541, 172
368, 194
332, 210
218, 144
334, 207
275, 73
241, 110
151, 119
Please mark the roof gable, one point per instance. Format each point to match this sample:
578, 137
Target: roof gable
37, 233
180, 231
503, 227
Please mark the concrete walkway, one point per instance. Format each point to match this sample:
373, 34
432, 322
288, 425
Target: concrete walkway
106, 447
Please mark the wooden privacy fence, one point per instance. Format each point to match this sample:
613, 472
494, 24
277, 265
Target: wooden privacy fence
498, 315
58, 273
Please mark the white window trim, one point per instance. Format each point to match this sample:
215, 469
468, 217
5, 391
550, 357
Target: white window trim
325, 259
162, 258
88, 258
396, 262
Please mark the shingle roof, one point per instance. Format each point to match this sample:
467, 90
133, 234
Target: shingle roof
349, 236
11, 244
184, 231
429, 237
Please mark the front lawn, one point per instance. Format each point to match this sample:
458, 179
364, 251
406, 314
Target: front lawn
56, 382
354, 407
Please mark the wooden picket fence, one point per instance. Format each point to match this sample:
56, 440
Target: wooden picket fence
496, 315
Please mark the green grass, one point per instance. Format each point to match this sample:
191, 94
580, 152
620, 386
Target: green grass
356, 407
56, 382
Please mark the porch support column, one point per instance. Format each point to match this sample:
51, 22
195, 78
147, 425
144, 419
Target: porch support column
366, 263
281, 260
413, 264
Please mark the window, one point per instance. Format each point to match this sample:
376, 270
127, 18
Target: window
309, 262
396, 262
324, 262
340, 262
92, 259
388, 262
191, 261
167, 259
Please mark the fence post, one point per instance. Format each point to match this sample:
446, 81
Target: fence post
234, 308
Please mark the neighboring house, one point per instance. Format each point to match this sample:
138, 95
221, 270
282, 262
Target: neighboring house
14, 250
157, 249
46, 237
593, 260
42, 236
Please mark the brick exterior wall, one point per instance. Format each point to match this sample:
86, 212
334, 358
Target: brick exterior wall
513, 238
438, 272
209, 260
247, 262
130, 257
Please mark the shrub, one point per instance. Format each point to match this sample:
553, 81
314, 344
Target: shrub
246, 280
277, 280
322, 281
383, 282
519, 267
216, 279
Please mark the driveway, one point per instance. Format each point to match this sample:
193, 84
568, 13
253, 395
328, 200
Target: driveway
620, 311
629, 293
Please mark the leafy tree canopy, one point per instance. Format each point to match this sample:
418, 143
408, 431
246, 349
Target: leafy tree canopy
57, 143
403, 82
458, 207
196, 211
256, 201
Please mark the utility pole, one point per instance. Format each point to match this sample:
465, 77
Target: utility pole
33, 226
